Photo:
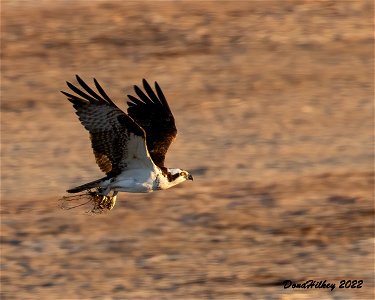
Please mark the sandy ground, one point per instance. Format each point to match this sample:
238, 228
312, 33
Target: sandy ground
273, 102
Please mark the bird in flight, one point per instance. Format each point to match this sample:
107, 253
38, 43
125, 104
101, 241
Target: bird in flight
130, 147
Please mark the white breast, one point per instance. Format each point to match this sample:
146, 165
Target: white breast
134, 181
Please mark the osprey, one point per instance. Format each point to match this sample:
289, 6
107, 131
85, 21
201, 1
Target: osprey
129, 148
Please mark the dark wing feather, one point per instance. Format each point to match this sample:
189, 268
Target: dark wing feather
153, 114
117, 140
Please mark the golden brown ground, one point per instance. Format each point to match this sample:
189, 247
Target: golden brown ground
273, 102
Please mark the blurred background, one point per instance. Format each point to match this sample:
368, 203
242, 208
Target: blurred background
273, 101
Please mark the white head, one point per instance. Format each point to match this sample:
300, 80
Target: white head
176, 176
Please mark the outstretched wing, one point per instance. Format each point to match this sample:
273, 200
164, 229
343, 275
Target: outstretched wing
117, 141
153, 114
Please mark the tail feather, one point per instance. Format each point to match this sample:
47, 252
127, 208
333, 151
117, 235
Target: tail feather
87, 186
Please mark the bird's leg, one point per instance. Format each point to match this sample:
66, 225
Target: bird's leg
112, 200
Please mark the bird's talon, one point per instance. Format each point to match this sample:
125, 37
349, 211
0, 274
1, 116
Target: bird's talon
103, 202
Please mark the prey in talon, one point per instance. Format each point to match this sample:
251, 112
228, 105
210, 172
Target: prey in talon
92, 199
130, 148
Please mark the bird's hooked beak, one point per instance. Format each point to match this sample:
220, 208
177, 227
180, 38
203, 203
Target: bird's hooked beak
190, 177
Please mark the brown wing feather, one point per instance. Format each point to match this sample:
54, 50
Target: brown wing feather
153, 114
110, 128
